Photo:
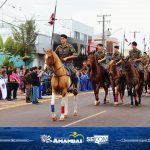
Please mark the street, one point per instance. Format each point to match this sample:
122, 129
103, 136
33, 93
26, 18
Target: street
108, 115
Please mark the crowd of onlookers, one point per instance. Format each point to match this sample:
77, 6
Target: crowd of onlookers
35, 82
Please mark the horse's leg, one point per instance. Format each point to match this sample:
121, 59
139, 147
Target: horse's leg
114, 94
106, 93
54, 118
75, 105
66, 106
96, 93
131, 96
63, 102
140, 90
135, 95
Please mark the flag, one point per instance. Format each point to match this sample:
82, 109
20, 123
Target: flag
125, 39
52, 19
129, 44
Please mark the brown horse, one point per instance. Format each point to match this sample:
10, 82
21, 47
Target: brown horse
135, 85
96, 78
147, 81
118, 82
60, 82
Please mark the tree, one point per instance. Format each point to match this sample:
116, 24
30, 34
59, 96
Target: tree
24, 40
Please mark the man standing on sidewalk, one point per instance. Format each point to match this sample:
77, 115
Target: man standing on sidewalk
35, 85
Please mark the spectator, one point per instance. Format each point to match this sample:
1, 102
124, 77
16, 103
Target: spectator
40, 74
15, 81
28, 82
22, 82
9, 84
35, 85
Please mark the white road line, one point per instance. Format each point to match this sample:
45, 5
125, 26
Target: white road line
84, 119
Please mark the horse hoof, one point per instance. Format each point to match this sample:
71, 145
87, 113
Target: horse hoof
136, 103
97, 103
54, 118
115, 104
66, 116
104, 102
75, 114
140, 104
61, 118
146, 94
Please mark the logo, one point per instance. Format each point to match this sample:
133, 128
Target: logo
46, 139
98, 139
73, 138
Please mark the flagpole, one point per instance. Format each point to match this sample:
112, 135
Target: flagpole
123, 43
52, 38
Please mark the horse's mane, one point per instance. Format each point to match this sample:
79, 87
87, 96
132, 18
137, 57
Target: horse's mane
112, 67
95, 63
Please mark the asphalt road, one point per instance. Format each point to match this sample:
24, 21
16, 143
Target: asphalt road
105, 115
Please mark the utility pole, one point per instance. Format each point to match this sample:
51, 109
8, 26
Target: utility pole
103, 27
134, 34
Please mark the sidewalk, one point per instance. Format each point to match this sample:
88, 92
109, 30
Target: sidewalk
20, 101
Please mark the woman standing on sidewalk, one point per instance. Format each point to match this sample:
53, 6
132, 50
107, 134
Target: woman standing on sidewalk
15, 81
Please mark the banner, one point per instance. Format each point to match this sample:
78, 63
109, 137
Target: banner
75, 138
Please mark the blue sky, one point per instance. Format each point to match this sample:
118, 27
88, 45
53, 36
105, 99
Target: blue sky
130, 15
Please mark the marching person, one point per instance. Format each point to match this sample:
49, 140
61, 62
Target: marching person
67, 54
101, 58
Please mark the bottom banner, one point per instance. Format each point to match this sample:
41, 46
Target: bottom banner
74, 138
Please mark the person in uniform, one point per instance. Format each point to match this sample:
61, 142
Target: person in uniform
117, 56
101, 58
145, 60
135, 56
67, 54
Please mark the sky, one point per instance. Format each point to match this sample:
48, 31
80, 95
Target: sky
126, 15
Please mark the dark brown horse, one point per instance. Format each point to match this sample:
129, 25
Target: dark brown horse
96, 78
118, 82
135, 85
147, 81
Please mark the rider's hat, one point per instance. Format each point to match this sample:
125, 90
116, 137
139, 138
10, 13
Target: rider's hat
64, 36
134, 43
117, 47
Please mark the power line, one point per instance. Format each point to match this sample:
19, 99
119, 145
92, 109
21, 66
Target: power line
103, 28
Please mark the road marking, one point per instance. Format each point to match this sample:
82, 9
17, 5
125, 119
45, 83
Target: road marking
84, 119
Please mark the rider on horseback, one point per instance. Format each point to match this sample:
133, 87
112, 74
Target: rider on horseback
117, 57
145, 60
101, 58
135, 56
67, 53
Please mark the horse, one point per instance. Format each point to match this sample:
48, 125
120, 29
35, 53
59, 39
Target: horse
117, 80
96, 78
135, 85
147, 81
60, 81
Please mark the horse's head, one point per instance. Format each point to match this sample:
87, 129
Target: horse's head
49, 58
91, 60
112, 67
126, 64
